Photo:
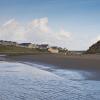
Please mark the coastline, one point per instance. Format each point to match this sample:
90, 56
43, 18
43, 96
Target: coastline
87, 65
81, 62
20, 81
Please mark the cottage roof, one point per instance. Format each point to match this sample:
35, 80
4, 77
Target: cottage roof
25, 44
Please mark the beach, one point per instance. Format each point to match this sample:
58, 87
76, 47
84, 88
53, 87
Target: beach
81, 62
22, 78
49, 77
86, 63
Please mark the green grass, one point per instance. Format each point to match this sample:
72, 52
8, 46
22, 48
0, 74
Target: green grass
15, 49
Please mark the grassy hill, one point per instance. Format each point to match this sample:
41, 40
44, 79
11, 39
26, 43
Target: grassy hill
14, 49
94, 49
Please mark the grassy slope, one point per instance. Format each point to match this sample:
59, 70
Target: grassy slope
14, 49
95, 48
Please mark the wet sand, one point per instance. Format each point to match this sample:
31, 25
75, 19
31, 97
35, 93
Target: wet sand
87, 63
23, 82
83, 62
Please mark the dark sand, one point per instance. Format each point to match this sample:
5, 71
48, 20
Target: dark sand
84, 62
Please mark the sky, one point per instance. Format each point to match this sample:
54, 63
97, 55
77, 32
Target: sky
73, 24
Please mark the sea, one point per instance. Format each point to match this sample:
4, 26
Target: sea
24, 81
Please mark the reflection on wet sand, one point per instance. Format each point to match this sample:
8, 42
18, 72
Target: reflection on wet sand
23, 82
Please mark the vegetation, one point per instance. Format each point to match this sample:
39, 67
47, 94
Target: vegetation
94, 49
15, 49
61, 50
42, 50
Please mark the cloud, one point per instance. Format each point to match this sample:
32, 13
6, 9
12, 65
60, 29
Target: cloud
64, 34
38, 30
98, 38
40, 25
12, 30
94, 40
8, 22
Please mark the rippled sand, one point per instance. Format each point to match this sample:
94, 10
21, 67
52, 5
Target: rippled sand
23, 82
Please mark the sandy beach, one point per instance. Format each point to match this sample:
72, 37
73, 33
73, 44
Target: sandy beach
84, 62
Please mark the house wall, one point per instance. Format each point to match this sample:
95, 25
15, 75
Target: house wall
53, 50
8, 43
30, 46
42, 46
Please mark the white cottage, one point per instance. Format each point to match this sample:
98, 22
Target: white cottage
53, 50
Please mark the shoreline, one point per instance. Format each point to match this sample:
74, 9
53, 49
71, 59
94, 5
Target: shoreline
19, 81
55, 62
81, 62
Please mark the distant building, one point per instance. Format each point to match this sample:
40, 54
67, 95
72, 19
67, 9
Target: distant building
28, 45
53, 50
43, 46
76, 52
10, 43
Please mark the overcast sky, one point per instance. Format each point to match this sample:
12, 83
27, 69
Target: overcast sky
74, 24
